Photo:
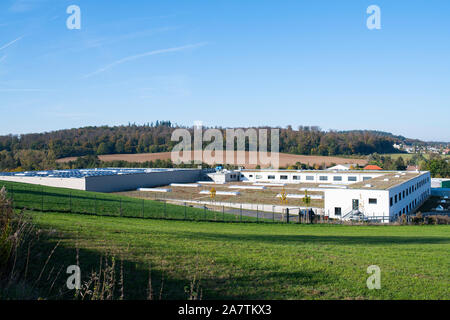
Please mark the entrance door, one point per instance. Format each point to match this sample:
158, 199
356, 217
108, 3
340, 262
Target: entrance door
355, 204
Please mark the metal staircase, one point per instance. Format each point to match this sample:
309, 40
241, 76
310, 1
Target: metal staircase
354, 215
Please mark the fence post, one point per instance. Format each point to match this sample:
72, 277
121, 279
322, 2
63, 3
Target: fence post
273, 213
185, 217
42, 193
241, 212
287, 215
223, 213
257, 214
165, 208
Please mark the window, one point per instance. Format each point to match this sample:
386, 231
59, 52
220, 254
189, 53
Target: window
283, 177
395, 198
336, 178
296, 177
399, 196
337, 211
310, 178
351, 178
251, 176
391, 202
366, 178
258, 176
271, 177
403, 193
323, 178
372, 201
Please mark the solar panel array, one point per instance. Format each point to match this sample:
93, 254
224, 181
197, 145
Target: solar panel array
82, 173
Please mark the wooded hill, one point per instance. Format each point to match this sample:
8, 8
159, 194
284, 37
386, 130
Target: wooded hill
156, 138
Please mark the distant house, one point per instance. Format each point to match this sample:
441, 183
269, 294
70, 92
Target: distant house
372, 167
412, 168
341, 167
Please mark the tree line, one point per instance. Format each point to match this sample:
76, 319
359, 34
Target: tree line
438, 166
156, 137
39, 151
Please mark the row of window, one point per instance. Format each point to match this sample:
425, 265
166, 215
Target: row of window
311, 178
413, 203
402, 194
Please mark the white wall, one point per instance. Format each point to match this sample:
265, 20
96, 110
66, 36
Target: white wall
263, 176
71, 183
342, 198
226, 176
408, 204
420, 187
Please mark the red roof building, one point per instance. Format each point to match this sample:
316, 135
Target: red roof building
372, 167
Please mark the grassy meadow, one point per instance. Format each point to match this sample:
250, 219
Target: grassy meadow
257, 261
175, 259
43, 198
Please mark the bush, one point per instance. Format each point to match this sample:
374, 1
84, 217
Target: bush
432, 219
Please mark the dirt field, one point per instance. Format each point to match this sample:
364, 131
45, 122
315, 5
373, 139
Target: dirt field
285, 159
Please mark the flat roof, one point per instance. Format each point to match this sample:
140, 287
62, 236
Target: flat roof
321, 171
385, 181
83, 173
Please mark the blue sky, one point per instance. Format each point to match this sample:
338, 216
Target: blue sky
226, 63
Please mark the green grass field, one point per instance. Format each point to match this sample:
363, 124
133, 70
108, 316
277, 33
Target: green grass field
44, 198
229, 261
258, 261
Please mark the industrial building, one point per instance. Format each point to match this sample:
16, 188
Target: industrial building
347, 194
373, 195
105, 180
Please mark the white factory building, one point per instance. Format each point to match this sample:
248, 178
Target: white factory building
348, 194
105, 179
373, 195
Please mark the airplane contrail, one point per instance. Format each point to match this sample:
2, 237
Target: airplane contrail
138, 56
10, 43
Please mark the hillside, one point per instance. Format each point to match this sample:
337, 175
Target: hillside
40, 150
152, 138
285, 159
